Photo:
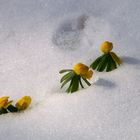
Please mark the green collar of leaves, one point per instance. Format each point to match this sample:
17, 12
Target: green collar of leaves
74, 80
106, 62
10, 108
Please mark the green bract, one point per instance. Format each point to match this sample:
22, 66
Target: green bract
3, 111
107, 62
10, 108
73, 79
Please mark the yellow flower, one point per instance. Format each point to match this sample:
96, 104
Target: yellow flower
4, 102
106, 47
83, 71
23, 103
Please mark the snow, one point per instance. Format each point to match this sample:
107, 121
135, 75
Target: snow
40, 37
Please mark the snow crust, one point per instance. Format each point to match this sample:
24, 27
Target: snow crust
40, 37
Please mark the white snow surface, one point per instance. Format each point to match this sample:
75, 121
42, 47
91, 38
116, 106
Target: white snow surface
40, 37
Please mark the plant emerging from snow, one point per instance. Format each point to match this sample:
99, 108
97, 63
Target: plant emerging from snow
108, 61
75, 76
6, 106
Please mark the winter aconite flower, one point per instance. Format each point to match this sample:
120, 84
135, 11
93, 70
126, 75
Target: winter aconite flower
106, 47
23, 103
108, 61
4, 104
75, 77
83, 71
3, 101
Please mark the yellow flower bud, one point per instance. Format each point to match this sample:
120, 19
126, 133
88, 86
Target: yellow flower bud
83, 71
80, 69
106, 47
3, 101
23, 103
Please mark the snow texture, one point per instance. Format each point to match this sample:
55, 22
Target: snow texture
40, 37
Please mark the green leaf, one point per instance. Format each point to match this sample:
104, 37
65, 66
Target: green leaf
11, 108
66, 81
108, 66
115, 58
66, 70
96, 62
68, 75
3, 111
69, 88
81, 83
111, 64
75, 84
86, 81
103, 63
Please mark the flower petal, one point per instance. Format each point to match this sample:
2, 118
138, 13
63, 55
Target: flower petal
81, 69
3, 101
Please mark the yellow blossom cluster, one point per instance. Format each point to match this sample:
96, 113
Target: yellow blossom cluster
6, 106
